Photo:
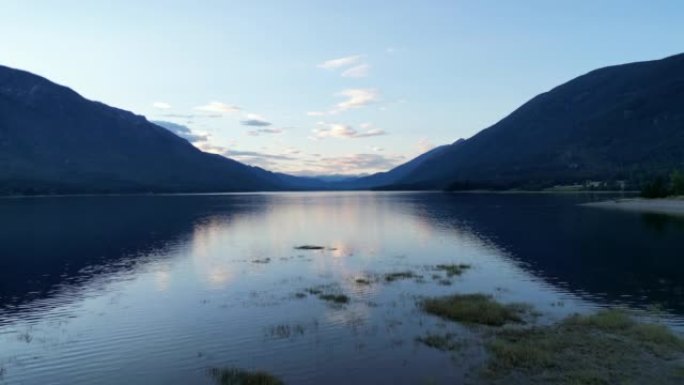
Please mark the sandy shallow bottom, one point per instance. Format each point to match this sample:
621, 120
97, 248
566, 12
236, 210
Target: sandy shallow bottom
672, 206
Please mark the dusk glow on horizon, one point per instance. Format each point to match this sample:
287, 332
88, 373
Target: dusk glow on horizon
316, 88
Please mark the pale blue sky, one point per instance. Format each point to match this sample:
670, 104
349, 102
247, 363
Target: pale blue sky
418, 73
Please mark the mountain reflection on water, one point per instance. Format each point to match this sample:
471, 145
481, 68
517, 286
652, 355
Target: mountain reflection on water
168, 286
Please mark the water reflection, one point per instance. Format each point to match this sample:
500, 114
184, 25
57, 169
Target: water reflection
49, 243
615, 255
46, 243
167, 286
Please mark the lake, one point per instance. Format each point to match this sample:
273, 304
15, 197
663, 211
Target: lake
159, 289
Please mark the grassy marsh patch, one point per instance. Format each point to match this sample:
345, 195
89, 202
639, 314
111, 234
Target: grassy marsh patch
475, 309
608, 347
234, 376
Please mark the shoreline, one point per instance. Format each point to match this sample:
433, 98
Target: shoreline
668, 206
152, 194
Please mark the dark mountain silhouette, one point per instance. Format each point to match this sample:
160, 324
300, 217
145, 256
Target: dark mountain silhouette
624, 122
52, 140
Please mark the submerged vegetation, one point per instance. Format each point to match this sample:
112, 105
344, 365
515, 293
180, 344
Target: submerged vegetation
234, 376
329, 293
395, 276
475, 309
446, 342
454, 269
309, 247
336, 298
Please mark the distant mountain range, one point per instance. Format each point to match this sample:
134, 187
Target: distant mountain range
624, 122
619, 123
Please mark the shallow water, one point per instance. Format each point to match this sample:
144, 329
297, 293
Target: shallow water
157, 289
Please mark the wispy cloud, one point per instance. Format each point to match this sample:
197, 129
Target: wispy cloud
351, 66
354, 98
161, 105
183, 131
337, 130
359, 71
342, 62
255, 121
424, 145
190, 116
261, 131
357, 97
354, 164
219, 107
316, 113
256, 154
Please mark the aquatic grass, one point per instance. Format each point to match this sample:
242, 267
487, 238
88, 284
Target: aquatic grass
604, 348
329, 293
309, 247
336, 298
235, 376
453, 269
284, 331
475, 309
398, 275
25, 337
656, 337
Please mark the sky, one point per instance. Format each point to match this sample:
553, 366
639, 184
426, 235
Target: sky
328, 87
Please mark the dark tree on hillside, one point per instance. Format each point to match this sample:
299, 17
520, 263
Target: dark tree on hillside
657, 188
677, 180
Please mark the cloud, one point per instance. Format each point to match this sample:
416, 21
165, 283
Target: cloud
337, 130
359, 71
352, 164
261, 131
208, 147
255, 121
316, 113
356, 98
183, 131
161, 105
219, 107
256, 154
190, 116
424, 145
340, 62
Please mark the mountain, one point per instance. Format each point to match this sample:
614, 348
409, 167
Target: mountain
52, 140
623, 122
391, 177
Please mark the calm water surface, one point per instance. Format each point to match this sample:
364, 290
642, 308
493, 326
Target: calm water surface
157, 289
